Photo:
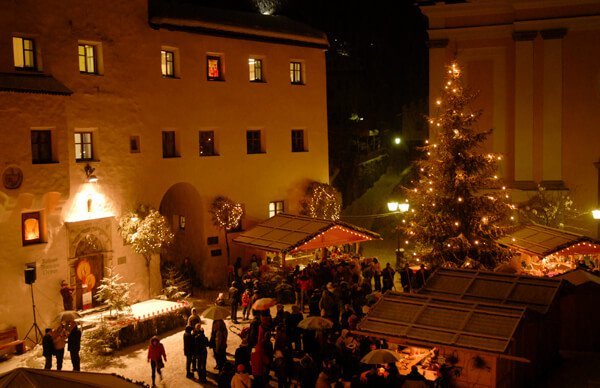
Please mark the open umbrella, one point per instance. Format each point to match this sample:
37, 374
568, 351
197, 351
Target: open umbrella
66, 316
380, 356
264, 304
215, 313
315, 323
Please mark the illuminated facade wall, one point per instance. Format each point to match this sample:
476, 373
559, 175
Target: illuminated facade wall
129, 100
537, 68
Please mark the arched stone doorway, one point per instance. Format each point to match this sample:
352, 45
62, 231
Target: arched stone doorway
182, 206
90, 251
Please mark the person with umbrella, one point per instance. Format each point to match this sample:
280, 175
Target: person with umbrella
74, 345
59, 339
218, 342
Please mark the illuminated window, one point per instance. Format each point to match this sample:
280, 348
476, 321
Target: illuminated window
83, 146
296, 73
256, 70
275, 207
207, 143
168, 143
88, 59
41, 146
253, 143
167, 62
31, 230
214, 68
24, 53
298, 140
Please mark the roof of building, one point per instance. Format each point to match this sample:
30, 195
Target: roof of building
542, 241
532, 292
214, 21
30, 377
286, 233
424, 319
32, 83
579, 276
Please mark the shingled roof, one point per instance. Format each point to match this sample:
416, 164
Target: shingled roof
286, 233
222, 22
539, 240
32, 83
535, 293
427, 320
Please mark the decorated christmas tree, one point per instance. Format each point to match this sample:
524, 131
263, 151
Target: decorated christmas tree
114, 292
458, 205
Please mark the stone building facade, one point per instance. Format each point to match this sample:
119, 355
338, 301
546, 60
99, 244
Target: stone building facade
170, 108
536, 65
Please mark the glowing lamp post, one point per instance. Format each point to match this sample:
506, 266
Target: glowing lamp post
398, 208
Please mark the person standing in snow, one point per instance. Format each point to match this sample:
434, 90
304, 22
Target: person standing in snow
156, 353
218, 342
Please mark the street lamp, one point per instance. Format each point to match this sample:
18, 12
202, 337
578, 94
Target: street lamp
596, 214
398, 208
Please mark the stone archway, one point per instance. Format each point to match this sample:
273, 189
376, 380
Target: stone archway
183, 200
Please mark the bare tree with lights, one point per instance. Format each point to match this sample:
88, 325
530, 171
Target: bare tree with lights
458, 207
147, 231
321, 200
226, 215
551, 208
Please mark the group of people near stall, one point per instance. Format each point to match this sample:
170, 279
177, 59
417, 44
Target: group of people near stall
275, 350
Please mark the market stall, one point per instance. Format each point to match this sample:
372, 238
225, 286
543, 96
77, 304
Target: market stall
300, 239
476, 340
543, 251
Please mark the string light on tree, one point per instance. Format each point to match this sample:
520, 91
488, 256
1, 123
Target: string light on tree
457, 221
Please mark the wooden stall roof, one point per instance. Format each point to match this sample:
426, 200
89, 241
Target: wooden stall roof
288, 233
579, 276
423, 319
542, 241
30, 377
535, 293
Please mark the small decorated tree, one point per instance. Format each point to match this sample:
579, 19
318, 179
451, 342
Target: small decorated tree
114, 292
321, 200
458, 206
175, 284
147, 231
226, 215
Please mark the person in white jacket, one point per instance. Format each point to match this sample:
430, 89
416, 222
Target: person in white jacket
241, 379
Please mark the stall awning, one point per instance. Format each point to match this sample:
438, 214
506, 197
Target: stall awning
533, 292
420, 319
541, 241
288, 233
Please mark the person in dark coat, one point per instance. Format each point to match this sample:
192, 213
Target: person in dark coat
59, 338
67, 295
242, 355
188, 351
74, 346
48, 348
234, 298
218, 342
405, 278
292, 327
388, 277
200, 351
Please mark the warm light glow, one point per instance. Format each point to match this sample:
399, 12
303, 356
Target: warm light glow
88, 204
397, 140
596, 214
393, 206
403, 207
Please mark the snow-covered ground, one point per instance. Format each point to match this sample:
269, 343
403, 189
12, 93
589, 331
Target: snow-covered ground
132, 361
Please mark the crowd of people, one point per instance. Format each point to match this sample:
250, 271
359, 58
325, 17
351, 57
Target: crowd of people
274, 348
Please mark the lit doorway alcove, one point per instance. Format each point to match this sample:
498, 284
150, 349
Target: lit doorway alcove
90, 252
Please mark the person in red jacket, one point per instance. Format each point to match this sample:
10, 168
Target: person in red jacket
156, 353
